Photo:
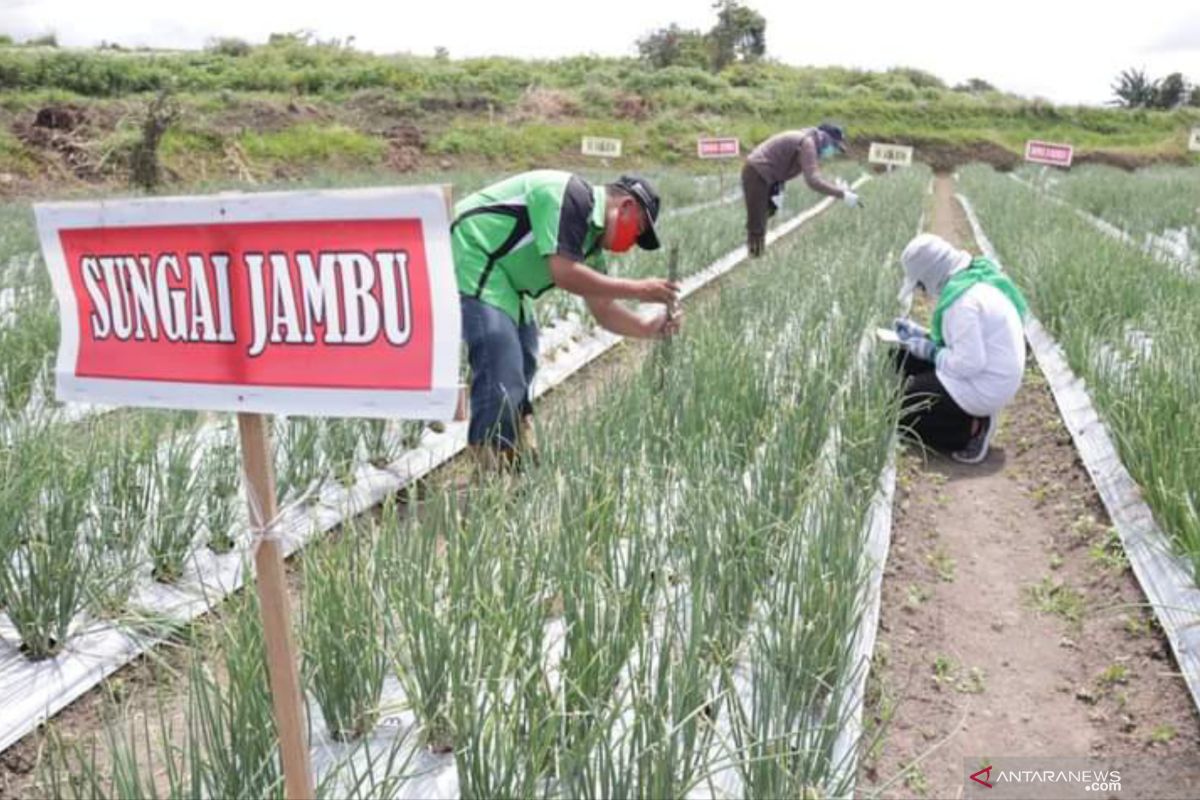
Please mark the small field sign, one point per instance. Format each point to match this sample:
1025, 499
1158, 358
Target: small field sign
894, 155
718, 147
1054, 155
601, 147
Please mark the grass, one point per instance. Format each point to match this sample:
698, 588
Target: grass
915, 595
1057, 598
1109, 553
915, 780
1163, 734
943, 565
313, 143
1114, 674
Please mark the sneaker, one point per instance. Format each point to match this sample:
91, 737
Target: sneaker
977, 448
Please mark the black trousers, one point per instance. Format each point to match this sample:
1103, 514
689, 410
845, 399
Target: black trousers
928, 411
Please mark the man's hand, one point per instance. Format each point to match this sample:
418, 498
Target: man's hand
664, 325
656, 290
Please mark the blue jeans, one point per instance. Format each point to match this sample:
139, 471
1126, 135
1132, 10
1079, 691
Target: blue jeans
503, 359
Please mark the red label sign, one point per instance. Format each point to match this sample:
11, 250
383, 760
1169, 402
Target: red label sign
257, 311
330, 304
1056, 155
718, 148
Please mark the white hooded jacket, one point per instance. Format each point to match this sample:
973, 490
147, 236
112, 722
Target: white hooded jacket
983, 358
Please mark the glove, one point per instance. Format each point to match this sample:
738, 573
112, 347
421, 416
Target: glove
850, 198
920, 347
907, 329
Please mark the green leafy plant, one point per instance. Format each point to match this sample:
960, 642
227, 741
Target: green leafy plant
176, 516
344, 631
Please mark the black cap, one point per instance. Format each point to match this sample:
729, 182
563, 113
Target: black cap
835, 133
641, 190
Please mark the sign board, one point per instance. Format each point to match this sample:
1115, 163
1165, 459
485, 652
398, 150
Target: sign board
1055, 155
1194, 140
330, 303
725, 147
599, 146
891, 154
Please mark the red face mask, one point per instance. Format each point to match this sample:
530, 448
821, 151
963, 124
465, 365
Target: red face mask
625, 231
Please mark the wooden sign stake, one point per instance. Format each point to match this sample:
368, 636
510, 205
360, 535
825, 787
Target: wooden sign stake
282, 665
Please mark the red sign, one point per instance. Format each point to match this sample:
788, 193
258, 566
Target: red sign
1056, 155
331, 303
718, 148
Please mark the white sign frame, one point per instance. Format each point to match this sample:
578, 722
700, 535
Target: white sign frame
600, 147
427, 203
1034, 159
893, 155
1194, 140
737, 147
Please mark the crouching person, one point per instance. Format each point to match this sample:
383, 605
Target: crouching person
961, 372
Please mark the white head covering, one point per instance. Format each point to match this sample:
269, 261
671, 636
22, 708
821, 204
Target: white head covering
929, 261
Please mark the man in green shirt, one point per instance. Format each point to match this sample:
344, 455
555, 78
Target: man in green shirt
516, 240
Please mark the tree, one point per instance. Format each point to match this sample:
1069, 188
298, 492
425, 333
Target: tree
229, 46
674, 46
1194, 97
1134, 90
739, 35
161, 114
975, 86
1171, 92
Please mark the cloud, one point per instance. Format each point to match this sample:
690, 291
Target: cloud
1182, 37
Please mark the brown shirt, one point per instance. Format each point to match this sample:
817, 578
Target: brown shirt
788, 154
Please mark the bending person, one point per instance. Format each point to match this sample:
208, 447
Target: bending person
521, 237
775, 162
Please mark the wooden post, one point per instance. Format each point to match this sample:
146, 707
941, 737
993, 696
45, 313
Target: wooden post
282, 665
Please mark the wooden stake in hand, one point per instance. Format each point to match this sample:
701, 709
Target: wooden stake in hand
282, 665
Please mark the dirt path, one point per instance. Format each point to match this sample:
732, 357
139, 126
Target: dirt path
1011, 624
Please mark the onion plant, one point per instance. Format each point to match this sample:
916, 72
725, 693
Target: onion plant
344, 631
226, 745
49, 565
340, 446
178, 506
123, 500
418, 592
1127, 325
574, 632
222, 473
298, 449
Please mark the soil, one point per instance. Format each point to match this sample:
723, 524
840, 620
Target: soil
1011, 624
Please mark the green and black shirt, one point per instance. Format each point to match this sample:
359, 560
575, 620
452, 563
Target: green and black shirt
503, 236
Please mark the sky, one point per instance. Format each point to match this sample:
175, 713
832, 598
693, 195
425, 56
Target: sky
1058, 51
